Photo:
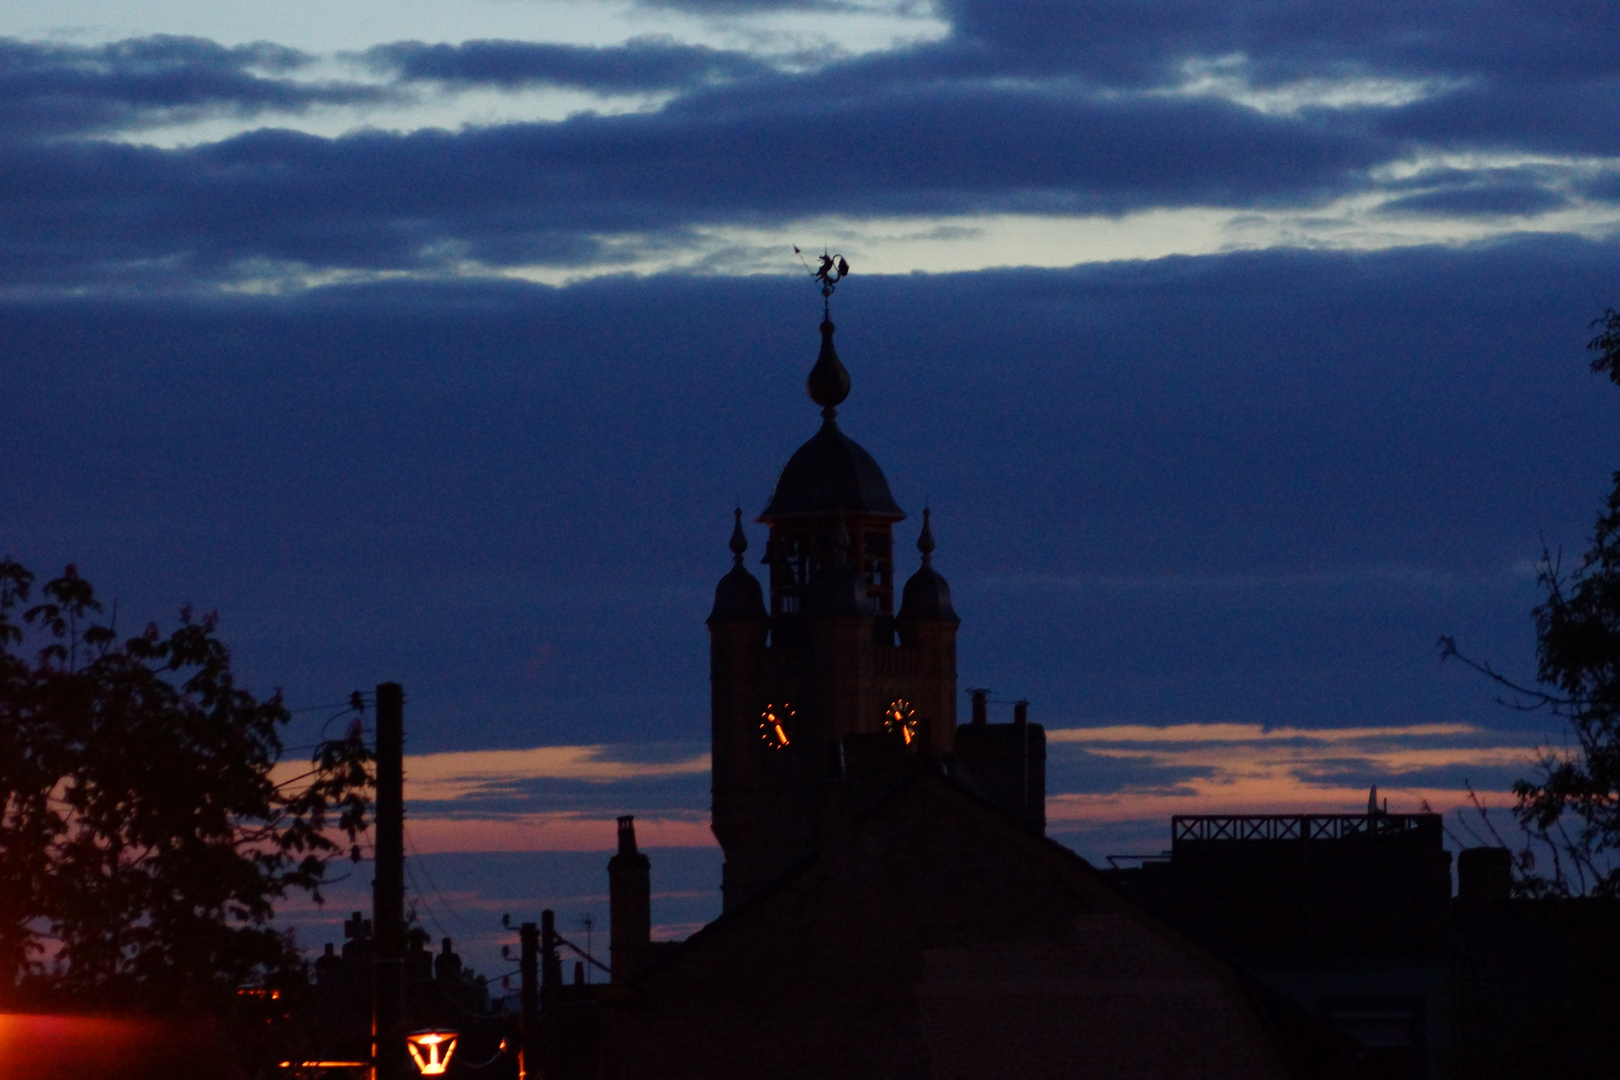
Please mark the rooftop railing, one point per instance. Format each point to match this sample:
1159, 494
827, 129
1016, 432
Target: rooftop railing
1276, 828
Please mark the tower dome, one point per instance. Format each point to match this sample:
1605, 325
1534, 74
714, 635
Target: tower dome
738, 595
831, 474
927, 596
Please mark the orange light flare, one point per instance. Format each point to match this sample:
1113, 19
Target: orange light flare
326, 1064
901, 719
773, 725
437, 1046
48, 1047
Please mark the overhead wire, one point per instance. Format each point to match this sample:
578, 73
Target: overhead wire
345, 705
444, 901
582, 952
416, 888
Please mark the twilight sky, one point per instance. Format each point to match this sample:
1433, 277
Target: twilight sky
1238, 348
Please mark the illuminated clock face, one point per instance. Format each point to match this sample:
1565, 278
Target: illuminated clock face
776, 725
901, 719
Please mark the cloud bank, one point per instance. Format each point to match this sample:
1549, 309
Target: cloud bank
1504, 113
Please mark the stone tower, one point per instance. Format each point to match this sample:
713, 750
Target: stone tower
824, 671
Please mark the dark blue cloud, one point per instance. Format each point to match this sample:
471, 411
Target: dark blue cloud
1578, 115
49, 89
538, 193
1070, 769
685, 795
639, 65
1479, 200
1290, 472
1360, 773
1607, 187
1507, 74
1143, 42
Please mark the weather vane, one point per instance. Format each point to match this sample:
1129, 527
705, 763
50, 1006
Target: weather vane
832, 270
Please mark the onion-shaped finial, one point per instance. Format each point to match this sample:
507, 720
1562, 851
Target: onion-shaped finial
925, 539
829, 381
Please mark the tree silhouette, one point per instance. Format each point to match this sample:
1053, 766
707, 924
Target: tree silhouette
1573, 805
145, 830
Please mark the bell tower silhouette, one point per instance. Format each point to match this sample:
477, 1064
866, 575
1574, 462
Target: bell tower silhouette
827, 676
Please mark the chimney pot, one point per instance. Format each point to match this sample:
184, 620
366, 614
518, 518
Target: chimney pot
1484, 873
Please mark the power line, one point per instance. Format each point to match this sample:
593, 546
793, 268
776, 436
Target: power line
416, 888
444, 901
344, 705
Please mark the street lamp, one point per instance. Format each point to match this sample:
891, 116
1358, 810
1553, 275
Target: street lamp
431, 1049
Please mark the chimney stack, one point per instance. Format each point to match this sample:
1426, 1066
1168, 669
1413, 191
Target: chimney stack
1484, 873
981, 703
629, 903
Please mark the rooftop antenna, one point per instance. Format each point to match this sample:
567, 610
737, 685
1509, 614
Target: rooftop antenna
833, 269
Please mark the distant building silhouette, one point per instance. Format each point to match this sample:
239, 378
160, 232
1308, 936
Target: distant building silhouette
1344, 917
891, 907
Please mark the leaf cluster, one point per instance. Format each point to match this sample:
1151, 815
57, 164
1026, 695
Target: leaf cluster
146, 832
1578, 652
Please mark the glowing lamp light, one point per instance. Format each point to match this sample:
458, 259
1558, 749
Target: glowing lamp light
774, 723
901, 719
431, 1050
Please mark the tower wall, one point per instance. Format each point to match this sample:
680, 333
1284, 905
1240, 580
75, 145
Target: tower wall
736, 651
826, 651
928, 649
769, 801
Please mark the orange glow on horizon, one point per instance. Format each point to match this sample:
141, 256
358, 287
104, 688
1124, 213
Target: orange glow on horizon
1203, 769
1246, 769
458, 774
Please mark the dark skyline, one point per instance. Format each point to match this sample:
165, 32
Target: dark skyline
1290, 383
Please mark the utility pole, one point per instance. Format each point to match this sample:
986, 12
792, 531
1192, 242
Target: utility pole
388, 891
550, 963
528, 1021
550, 988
